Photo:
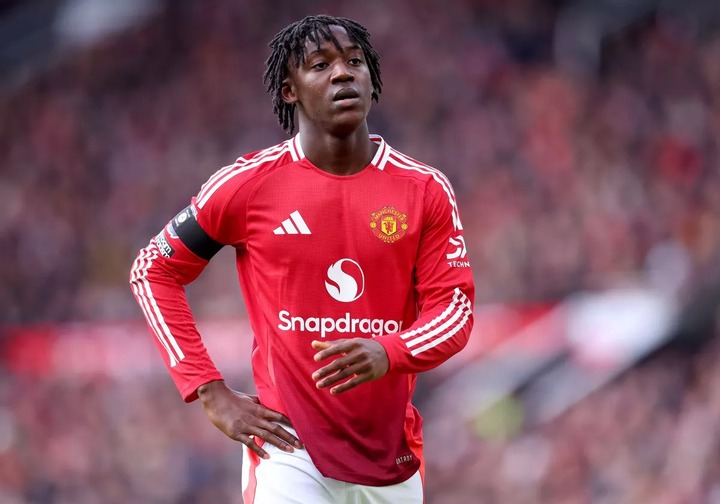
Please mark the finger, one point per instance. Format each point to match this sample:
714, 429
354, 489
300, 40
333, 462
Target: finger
265, 432
336, 365
350, 384
247, 397
339, 376
325, 346
274, 416
320, 345
279, 437
334, 348
252, 445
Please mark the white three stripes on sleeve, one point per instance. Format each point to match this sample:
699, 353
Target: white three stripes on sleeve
401, 161
442, 327
143, 293
242, 165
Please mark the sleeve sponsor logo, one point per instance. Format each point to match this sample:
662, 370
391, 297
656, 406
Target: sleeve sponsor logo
457, 252
165, 249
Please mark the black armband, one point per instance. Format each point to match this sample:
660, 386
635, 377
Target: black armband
185, 227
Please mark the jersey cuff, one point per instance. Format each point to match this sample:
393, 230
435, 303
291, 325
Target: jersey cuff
390, 344
189, 390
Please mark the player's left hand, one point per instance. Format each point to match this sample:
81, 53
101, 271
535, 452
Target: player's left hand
360, 359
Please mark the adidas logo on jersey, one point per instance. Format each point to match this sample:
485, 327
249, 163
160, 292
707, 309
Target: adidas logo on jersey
294, 225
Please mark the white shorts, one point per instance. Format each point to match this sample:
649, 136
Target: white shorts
292, 478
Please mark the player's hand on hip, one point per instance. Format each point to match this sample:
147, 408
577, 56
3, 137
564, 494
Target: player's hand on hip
241, 417
357, 360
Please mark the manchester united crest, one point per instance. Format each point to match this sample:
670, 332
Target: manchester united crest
388, 224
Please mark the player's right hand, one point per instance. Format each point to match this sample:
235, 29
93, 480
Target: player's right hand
241, 417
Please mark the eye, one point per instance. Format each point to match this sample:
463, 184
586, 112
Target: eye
355, 61
320, 65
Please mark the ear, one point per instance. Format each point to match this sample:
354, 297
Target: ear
288, 92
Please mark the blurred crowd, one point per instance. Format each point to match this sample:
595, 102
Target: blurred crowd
651, 436
564, 183
99, 441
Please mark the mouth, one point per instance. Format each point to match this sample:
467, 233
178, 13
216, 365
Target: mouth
346, 95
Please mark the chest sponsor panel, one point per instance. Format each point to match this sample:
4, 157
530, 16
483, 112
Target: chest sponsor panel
345, 325
336, 260
344, 284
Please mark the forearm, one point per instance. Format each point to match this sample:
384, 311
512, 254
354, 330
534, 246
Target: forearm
207, 390
162, 300
438, 334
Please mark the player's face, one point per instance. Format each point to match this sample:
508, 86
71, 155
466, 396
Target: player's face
332, 88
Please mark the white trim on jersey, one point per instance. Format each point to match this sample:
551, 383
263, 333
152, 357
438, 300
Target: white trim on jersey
380, 155
402, 161
287, 226
293, 152
379, 160
385, 156
445, 321
143, 293
458, 311
240, 162
296, 150
147, 312
240, 167
447, 335
458, 296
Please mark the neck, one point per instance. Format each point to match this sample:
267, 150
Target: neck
338, 155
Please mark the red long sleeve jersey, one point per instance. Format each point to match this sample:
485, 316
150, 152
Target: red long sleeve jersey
378, 254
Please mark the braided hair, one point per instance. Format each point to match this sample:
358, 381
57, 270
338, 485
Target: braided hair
290, 41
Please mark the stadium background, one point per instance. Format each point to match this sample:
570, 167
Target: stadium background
581, 136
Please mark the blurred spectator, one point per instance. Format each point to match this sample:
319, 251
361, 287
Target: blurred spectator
651, 436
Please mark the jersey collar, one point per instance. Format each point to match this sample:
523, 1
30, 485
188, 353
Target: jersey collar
379, 160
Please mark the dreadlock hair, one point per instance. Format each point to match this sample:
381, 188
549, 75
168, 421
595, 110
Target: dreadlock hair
290, 41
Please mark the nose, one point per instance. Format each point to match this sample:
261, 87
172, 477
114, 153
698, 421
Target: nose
342, 73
